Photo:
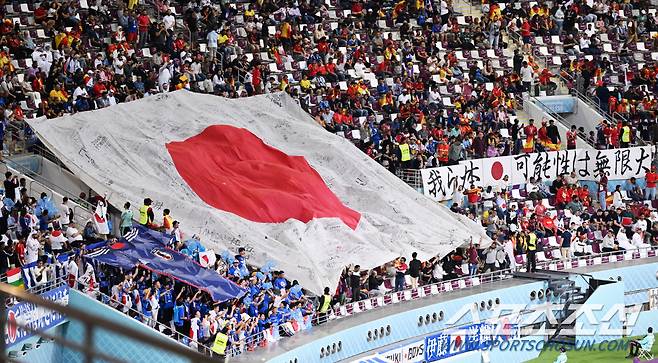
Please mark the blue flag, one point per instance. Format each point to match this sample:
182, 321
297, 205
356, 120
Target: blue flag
147, 248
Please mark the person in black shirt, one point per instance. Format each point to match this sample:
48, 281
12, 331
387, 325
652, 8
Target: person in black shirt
414, 270
374, 282
553, 133
7, 257
557, 184
10, 184
598, 219
355, 283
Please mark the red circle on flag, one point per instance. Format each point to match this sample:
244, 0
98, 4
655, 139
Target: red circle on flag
233, 170
12, 326
497, 170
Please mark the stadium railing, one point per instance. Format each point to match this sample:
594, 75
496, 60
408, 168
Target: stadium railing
91, 324
105, 299
273, 334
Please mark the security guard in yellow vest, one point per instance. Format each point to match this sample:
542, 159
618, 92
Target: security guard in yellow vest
323, 307
405, 154
531, 250
625, 135
219, 346
146, 215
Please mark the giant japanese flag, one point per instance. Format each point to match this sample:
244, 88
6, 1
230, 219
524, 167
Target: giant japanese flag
255, 172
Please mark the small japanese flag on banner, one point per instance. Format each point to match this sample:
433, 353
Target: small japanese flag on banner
207, 258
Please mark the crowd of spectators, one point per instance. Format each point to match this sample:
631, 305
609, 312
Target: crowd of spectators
411, 83
41, 237
380, 73
544, 221
605, 50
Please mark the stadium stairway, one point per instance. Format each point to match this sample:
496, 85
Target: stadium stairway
568, 297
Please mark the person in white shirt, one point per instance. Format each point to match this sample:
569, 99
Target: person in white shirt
175, 233
114, 300
40, 273
508, 246
73, 235
589, 31
458, 197
526, 76
502, 184
434, 96
98, 61
579, 246
66, 212
155, 307
79, 92
57, 241
32, 246
212, 44
583, 43
111, 100
491, 257
164, 76
488, 198
118, 65
641, 224
169, 21
559, 19
532, 188
72, 271
445, 12
404, 97
88, 281
638, 239
622, 240
617, 199
44, 64
608, 242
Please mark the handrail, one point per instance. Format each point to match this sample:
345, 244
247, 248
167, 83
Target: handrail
589, 101
178, 336
559, 118
36, 178
39, 289
333, 314
62, 281
92, 322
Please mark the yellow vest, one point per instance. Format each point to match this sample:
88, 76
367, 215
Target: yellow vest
143, 215
405, 155
626, 134
219, 346
532, 242
325, 304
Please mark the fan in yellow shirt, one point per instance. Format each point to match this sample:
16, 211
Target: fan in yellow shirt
57, 95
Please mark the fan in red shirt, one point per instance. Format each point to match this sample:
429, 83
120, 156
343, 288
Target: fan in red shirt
651, 179
584, 196
562, 197
98, 89
530, 132
571, 138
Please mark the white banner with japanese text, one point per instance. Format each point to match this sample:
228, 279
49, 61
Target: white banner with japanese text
440, 183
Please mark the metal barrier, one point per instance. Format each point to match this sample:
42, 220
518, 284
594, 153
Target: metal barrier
97, 295
91, 324
411, 177
265, 337
48, 286
559, 118
154, 324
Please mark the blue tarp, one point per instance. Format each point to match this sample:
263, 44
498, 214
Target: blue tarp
148, 249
